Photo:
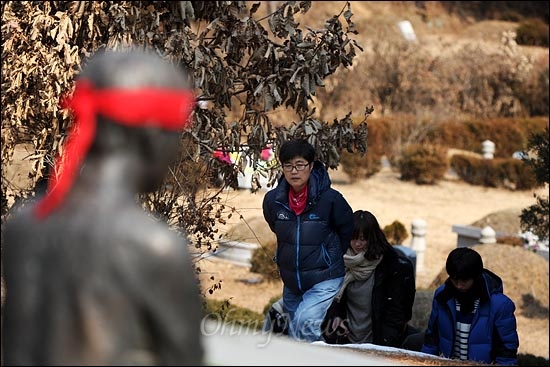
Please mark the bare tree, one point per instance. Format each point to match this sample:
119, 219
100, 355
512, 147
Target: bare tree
245, 67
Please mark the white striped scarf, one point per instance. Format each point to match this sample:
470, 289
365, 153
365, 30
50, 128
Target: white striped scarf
462, 333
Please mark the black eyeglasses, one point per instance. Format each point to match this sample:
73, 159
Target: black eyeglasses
299, 167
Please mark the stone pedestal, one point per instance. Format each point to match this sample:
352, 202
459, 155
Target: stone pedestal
418, 242
470, 236
488, 149
237, 252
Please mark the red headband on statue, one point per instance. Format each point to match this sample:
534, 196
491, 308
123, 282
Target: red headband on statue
164, 108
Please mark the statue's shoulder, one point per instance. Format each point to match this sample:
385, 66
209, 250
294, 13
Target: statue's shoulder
152, 235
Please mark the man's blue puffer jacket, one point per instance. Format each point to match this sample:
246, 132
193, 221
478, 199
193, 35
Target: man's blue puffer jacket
310, 247
493, 334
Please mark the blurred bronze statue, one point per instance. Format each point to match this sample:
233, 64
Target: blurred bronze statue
91, 277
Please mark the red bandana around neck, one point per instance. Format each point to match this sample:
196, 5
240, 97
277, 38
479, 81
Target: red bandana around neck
165, 108
297, 200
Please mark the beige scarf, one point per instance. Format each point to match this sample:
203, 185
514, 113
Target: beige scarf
357, 268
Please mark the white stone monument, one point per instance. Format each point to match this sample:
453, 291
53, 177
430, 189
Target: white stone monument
418, 242
407, 30
488, 149
488, 235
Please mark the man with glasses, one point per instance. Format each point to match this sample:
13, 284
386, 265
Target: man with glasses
313, 223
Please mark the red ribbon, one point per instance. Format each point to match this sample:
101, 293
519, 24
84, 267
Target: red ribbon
168, 109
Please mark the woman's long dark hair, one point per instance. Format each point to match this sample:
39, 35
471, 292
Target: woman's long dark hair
366, 227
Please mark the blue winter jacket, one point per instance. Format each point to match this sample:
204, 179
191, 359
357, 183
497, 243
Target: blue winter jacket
310, 247
493, 334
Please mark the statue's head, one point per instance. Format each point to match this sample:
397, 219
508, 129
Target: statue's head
130, 103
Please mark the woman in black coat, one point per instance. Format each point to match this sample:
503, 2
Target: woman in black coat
375, 302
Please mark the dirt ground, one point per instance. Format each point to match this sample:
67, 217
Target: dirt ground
446, 204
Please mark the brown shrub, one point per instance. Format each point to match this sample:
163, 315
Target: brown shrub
507, 173
473, 81
510, 240
263, 261
508, 134
395, 232
423, 163
532, 32
359, 166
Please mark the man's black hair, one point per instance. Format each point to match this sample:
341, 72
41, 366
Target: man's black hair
464, 263
296, 148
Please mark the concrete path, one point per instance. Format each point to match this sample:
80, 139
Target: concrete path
235, 345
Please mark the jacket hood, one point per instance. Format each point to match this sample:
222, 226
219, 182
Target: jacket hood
493, 282
492, 285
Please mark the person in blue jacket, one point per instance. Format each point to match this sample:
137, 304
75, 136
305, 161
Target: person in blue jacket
471, 318
313, 224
